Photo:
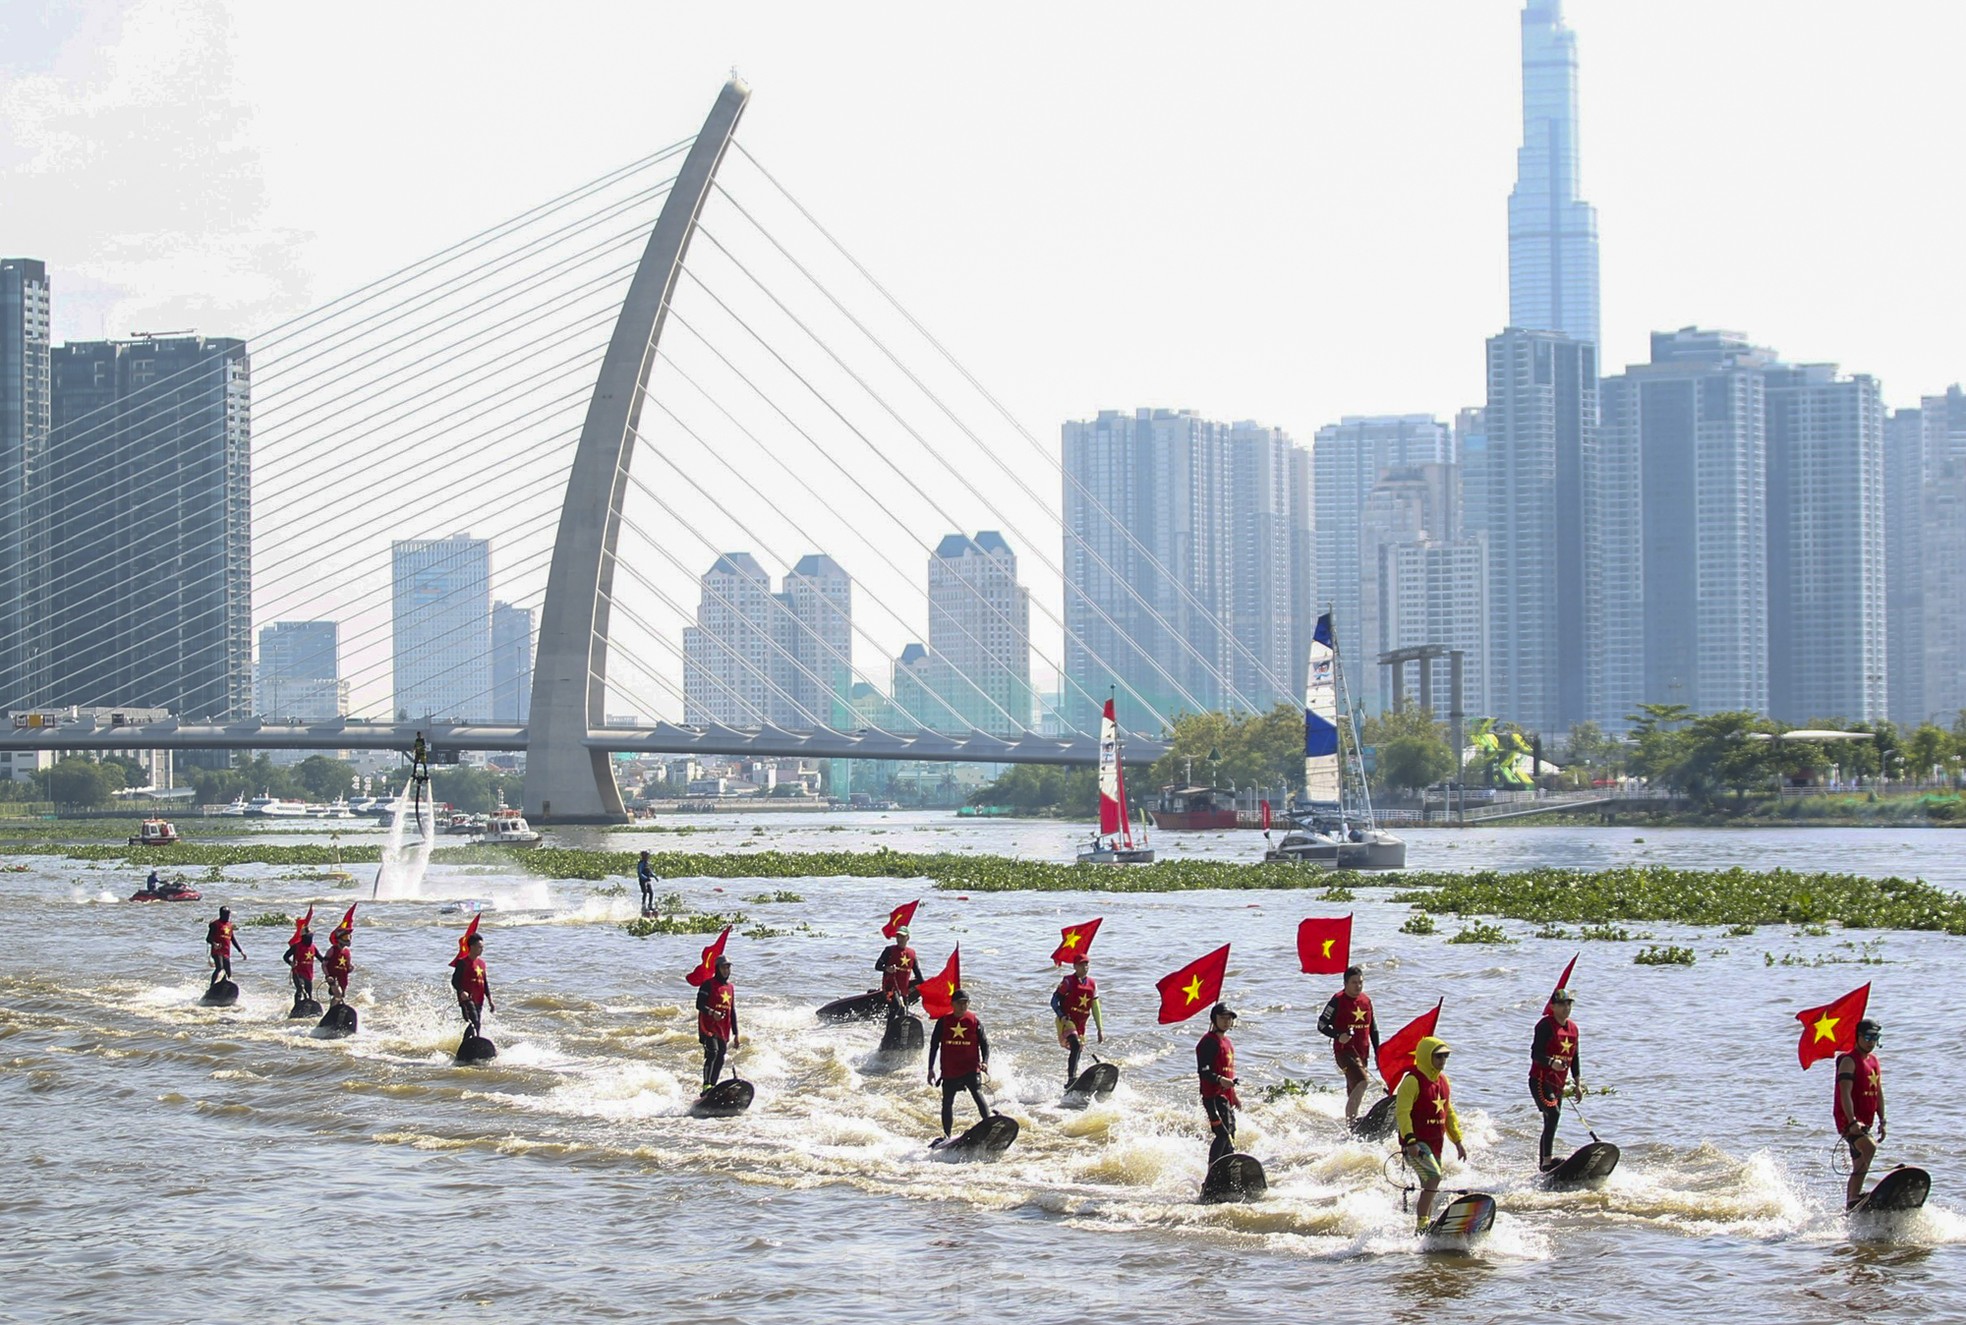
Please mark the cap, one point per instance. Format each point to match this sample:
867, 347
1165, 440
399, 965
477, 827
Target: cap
1563, 996
958, 996
1222, 1010
1870, 1028
901, 931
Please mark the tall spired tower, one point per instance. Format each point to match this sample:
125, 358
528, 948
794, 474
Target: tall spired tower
1552, 230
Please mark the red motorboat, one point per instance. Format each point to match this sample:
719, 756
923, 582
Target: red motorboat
1194, 808
169, 892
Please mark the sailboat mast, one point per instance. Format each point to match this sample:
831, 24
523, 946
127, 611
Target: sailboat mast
1357, 757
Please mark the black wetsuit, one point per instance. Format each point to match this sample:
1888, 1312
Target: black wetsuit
1221, 1114
646, 878
969, 1081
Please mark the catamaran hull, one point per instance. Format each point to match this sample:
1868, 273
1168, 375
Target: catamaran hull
1379, 851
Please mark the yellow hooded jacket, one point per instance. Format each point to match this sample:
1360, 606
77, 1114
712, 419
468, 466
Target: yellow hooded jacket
1409, 1089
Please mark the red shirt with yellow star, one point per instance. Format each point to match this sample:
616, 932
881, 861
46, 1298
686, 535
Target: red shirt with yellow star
716, 1009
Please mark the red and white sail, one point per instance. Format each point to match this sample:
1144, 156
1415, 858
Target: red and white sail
1113, 816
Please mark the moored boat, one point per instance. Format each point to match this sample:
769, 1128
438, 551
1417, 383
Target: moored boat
1114, 843
508, 828
1190, 809
155, 833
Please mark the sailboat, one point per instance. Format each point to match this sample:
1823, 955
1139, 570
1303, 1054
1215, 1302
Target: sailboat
1114, 843
1330, 827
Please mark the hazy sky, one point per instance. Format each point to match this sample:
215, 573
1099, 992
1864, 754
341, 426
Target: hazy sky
1286, 212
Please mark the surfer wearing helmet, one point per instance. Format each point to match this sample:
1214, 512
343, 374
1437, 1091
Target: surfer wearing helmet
1215, 1062
1553, 1060
716, 1020
900, 970
1425, 1111
1074, 1001
223, 940
339, 963
1859, 1103
473, 987
965, 1051
300, 956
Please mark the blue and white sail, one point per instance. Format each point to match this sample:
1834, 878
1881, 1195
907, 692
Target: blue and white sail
1321, 778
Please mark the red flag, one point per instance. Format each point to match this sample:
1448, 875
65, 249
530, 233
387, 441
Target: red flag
1075, 941
937, 990
1195, 985
1562, 982
1832, 1028
300, 925
708, 966
1266, 816
347, 925
1324, 947
1396, 1054
899, 918
464, 940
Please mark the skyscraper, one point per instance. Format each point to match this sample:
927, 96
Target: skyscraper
299, 672
511, 662
1348, 459
1941, 556
1552, 230
442, 627
1678, 530
1904, 564
1826, 582
757, 657
815, 653
24, 424
979, 636
148, 508
1541, 416
1186, 565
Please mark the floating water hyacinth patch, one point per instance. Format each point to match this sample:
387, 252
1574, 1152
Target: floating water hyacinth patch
1481, 932
1654, 955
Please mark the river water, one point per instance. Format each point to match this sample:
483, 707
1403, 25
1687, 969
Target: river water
173, 1162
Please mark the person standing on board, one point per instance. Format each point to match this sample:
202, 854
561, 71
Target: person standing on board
300, 957
1859, 1103
223, 940
716, 1021
901, 977
339, 964
473, 987
1425, 1111
1076, 999
965, 1050
1215, 1062
645, 877
1348, 1022
1552, 1058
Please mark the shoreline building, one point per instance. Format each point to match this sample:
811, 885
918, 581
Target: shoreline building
441, 627
979, 636
1940, 538
1553, 277
1187, 560
755, 657
511, 662
148, 504
25, 420
1679, 530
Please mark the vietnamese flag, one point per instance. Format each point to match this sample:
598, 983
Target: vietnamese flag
1562, 982
708, 966
1183, 993
1324, 947
900, 918
1396, 1054
1074, 941
464, 940
937, 990
1832, 1028
300, 926
347, 925
1266, 816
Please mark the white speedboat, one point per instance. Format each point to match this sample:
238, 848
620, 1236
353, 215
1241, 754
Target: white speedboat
264, 806
334, 809
508, 828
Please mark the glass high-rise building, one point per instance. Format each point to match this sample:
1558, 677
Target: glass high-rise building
979, 636
442, 627
755, 657
148, 510
299, 673
1552, 230
511, 663
24, 422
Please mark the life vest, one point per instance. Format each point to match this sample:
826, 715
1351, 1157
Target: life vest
962, 1044
1224, 1066
1430, 1109
717, 1009
1352, 1020
898, 970
1547, 1081
1866, 1092
1075, 999
470, 980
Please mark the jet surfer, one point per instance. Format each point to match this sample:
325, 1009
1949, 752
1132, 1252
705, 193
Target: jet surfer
645, 877
339, 964
223, 940
965, 1051
1425, 1113
1215, 1062
1552, 1058
1075, 1000
901, 979
1859, 1103
1348, 1022
716, 1021
473, 987
300, 957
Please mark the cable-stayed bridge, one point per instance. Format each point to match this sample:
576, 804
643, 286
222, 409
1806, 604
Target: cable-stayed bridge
783, 400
